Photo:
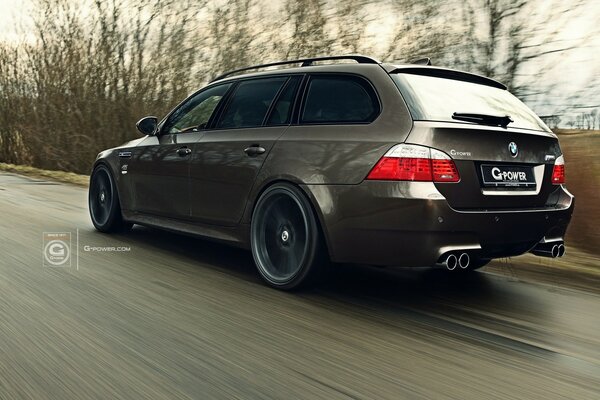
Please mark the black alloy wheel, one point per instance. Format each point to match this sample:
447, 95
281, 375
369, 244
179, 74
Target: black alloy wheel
286, 240
103, 202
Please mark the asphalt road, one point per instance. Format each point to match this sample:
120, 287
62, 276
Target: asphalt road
180, 318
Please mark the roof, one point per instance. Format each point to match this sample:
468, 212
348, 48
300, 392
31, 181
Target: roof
308, 65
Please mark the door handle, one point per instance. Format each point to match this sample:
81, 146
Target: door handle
254, 150
184, 151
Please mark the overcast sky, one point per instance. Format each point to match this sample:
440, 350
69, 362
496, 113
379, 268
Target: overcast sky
10, 12
574, 73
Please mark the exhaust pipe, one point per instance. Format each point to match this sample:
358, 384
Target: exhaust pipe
450, 262
464, 260
551, 250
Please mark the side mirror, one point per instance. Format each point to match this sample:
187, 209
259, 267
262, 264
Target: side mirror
147, 125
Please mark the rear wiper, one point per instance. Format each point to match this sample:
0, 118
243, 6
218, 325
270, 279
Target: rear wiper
484, 119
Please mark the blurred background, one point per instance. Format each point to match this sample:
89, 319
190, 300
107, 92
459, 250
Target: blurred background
75, 76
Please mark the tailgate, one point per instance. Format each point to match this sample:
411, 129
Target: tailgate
499, 168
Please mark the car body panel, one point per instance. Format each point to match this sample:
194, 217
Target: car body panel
222, 175
158, 177
337, 153
411, 224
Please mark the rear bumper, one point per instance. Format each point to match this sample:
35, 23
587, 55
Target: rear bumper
411, 224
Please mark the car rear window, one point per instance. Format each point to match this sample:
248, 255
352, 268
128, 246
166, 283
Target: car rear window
433, 98
339, 99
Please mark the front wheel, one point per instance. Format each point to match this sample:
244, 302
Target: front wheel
286, 240
103, 201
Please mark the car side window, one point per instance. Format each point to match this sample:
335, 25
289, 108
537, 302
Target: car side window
282, 111
339, 99
250, 102
194, 114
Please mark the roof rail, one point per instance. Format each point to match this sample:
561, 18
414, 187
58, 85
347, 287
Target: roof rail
305, 62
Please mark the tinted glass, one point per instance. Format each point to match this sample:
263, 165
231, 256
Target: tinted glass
436, 99
335, 99
250, 103
196, 112
282, 112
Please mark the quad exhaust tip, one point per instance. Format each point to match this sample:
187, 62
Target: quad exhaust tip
464, 260
451, 262
454, 260
551, 250
561, 250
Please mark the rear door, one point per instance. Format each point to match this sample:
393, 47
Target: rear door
227, 159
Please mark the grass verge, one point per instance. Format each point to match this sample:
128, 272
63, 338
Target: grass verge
60, 176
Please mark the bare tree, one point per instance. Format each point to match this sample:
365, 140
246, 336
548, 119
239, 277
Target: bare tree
88, 70
351, 20
515, 34
421, 30
308, 36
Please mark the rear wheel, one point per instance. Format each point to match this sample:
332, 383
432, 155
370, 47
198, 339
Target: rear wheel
103, 202
286, 240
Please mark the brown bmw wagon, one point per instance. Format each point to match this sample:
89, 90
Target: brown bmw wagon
353, 162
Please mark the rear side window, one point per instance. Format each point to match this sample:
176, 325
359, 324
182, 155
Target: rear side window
339, 99
250, 103
282, 111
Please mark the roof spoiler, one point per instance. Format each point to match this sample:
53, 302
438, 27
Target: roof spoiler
449, 74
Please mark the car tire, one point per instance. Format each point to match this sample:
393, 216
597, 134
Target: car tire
286, 239
103, 202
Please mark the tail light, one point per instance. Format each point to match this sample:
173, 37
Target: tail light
558, 173
407, 162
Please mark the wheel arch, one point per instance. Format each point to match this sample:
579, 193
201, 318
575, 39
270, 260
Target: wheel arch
114, 175
304, 189
105, 160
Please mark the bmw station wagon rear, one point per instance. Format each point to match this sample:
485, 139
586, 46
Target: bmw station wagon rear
370, 163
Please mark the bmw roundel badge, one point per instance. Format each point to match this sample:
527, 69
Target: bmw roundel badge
513, 149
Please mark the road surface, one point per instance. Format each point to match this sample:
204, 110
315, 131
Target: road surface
173, 317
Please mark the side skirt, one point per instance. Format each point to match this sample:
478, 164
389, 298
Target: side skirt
237, 236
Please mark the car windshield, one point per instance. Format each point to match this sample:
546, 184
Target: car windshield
433, 98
